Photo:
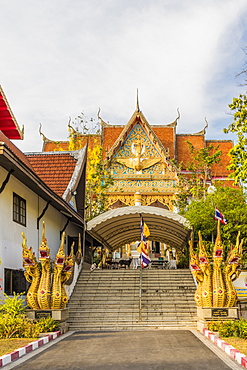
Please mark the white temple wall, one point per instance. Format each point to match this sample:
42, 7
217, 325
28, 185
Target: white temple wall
10, 231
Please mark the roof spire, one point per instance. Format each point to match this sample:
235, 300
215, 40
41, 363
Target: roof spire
137, 102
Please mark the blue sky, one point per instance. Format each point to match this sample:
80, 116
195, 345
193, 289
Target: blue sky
61, 57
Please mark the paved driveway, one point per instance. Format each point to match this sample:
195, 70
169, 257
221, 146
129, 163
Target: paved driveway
130, 350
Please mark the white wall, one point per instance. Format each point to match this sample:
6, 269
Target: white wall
10, 231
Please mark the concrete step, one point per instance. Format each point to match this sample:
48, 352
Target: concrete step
109, 300
135, 318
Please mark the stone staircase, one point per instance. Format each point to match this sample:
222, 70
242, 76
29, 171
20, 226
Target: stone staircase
109, 300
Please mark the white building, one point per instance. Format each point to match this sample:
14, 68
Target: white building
26, 200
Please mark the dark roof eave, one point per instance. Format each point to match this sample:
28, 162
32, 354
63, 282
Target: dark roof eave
30, 179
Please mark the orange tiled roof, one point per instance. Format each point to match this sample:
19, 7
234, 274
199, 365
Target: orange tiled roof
182, 147
221, 167
89, 140
54, 168
167, 137
110, 135
17, 152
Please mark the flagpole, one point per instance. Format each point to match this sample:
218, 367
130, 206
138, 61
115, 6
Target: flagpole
140, 293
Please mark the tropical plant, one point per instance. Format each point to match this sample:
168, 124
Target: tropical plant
238, 154
231, 202
46, 324
193, 183
15, 324
13, 305
230, 328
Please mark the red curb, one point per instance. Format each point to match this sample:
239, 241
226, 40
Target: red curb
227, 348
244, 362
233, 352
29, 348
12, 356
224, 345
40, 343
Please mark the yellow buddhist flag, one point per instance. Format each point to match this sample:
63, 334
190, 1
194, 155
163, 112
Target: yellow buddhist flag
146, 231
140, 247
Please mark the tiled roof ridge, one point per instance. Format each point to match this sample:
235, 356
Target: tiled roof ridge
4, 140
219, 141
189, 134
53, 152
81, 158
73, 153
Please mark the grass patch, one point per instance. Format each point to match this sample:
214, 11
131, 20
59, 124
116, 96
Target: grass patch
10, 345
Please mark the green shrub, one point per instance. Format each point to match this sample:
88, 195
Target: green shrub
242, 329
17, 327
227, 329
46, 324
231, 328
14, 323
214, 325
13, 305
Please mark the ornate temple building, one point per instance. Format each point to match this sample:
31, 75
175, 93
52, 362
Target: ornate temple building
141, 159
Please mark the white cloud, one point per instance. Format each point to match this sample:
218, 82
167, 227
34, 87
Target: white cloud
60, 57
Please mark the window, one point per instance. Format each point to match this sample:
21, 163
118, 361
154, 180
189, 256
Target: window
19, 209
14, 281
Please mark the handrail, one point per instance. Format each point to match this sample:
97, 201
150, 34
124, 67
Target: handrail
77, 270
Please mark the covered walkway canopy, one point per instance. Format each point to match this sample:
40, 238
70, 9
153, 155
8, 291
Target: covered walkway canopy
120, 226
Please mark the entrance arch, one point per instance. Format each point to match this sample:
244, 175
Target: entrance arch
121, 226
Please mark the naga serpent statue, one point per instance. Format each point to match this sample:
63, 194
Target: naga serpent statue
219, 289
215, 288
67, 275
232, 271
44, 291
204, 264
40, 295
32, 274
56, 295
196, 272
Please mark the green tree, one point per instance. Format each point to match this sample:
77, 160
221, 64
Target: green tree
194, 184
98, 177
231, 202
238, 154
97, 183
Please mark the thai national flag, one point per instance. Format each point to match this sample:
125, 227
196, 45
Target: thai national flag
143, 245
145, 259
219, 216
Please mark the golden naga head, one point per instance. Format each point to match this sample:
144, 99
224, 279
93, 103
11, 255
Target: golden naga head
29, 259
203, 256
236, 252
233, 262
69, 262
60, 256
44, 250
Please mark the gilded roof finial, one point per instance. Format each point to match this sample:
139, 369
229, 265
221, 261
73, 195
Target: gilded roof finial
137, 102
101, 121
41, 133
